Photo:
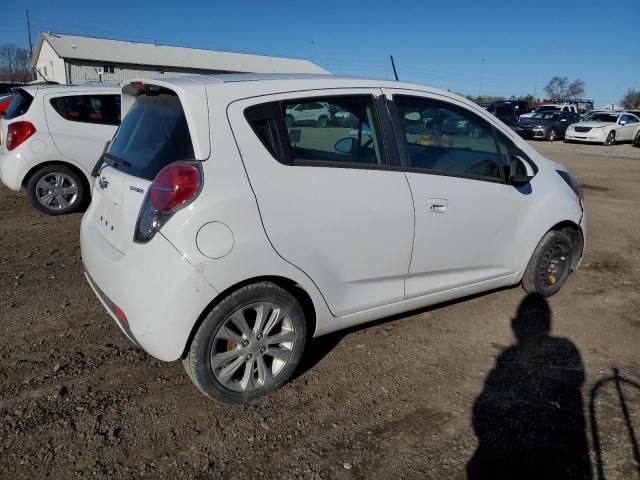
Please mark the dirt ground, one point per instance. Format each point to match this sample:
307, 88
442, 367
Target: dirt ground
431, 395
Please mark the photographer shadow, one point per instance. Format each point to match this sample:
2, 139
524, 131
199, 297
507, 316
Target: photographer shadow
529, 418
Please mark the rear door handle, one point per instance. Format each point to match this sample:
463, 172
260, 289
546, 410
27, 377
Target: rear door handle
438, 205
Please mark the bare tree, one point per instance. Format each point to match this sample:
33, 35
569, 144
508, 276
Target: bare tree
631, 100
560, 88
15, 63
8, 57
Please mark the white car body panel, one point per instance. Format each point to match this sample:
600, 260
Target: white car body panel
324, 229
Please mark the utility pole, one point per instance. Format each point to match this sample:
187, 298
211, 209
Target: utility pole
30, 45
393, 64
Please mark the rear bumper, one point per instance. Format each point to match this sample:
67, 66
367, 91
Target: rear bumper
13, 168
160, 293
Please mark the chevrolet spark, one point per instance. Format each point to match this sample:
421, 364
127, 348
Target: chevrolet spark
222, 235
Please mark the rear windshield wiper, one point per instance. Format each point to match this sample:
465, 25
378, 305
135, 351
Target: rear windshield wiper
109, 160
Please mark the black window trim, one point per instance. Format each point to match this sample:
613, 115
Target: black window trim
94, 122
388, 146
403, 145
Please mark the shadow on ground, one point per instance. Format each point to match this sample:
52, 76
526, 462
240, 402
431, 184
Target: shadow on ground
529, 417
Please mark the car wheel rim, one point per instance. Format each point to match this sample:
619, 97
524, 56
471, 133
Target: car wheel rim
552, 135
252, 347
554, 266
57, 191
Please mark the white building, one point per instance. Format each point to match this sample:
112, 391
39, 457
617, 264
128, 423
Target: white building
74, 59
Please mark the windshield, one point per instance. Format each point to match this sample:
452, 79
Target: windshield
153, 134
546, 115
601, 117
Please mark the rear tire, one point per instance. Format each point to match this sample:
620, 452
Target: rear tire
57, 190
233, 358
549, 265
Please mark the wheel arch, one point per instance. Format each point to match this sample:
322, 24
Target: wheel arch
576, 236
291, 286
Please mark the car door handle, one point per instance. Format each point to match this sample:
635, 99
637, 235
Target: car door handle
438, 205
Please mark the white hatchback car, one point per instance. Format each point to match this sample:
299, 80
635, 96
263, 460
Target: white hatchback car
222, 237
51, 138
604, 127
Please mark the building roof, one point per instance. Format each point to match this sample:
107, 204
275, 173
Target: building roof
75, 47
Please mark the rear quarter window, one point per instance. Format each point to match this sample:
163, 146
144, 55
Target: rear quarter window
153, 134
19, 105
101, 109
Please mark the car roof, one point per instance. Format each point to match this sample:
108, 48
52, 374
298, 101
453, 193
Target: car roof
275, 79
34, 89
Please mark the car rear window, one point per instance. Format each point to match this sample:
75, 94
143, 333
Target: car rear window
153, 134
19, 105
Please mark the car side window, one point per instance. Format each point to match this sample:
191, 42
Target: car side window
101, 109
632, 119
338, 131
443, 138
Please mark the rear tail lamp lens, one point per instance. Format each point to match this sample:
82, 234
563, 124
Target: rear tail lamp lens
175, 187
18, 133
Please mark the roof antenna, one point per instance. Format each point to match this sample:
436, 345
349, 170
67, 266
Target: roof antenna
393, 64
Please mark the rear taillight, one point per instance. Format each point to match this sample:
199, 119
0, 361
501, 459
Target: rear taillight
175, 187
18, 132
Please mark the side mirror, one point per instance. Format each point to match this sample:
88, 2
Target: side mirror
623, 122
563, 119
521, 171
345, 145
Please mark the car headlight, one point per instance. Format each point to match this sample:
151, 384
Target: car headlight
538, 127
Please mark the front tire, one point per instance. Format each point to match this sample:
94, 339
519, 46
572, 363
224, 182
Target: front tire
248, 345
636, 140
553, 135
549, 265
57, 190
611, 139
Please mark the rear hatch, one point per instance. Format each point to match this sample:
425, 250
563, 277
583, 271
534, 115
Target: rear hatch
154, 133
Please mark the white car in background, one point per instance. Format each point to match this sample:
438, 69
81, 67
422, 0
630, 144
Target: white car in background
604, 127
218, 236
317, 113
51, 137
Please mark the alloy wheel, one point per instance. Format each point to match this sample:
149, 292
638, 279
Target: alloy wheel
252, 346
57, 191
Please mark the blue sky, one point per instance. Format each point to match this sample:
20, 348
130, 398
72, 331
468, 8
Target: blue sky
443, 44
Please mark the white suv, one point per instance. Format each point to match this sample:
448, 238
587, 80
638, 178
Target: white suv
317, 113
556, 107
51, 138
222, 237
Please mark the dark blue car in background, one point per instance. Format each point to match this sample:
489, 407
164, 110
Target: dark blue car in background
546, 125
